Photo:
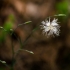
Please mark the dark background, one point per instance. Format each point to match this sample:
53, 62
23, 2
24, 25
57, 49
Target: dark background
51, 53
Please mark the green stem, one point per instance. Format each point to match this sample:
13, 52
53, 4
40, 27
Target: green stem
24, 43
12, 68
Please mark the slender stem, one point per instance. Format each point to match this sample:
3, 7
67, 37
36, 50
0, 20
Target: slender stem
24, 43
13, 62
20, 25
12, 55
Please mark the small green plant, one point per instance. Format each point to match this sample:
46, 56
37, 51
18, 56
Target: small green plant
8, 29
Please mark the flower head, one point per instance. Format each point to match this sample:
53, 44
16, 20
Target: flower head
50, 28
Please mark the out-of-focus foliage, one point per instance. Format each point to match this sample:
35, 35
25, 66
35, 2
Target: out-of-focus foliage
2, 35
6, 27
62, 7
9, 24
2, 68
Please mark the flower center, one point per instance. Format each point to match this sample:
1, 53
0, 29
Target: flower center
50, 27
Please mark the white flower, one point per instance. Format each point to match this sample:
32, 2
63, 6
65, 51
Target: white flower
50, 28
